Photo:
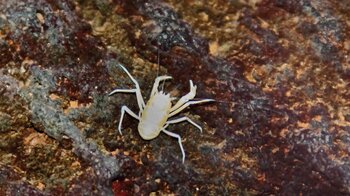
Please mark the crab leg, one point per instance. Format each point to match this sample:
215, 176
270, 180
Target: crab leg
140, 100
156, 83
184, 119
131, 113
122, 91
180, 143
187, 104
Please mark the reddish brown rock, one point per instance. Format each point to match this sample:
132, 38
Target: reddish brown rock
278, 69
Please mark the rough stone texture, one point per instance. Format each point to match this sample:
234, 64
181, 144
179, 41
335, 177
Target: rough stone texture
279, 70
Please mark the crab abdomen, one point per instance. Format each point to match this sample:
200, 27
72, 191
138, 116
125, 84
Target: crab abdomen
154, 115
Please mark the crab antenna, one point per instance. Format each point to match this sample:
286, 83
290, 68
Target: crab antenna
158, 59
158, 63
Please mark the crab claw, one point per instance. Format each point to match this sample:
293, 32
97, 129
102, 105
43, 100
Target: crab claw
157, 81
193, 90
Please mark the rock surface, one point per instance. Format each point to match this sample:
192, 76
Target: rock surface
279, 70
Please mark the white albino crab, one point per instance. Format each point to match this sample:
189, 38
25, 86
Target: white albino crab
154, 115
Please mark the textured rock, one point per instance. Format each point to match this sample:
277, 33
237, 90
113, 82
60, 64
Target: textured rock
278, 69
